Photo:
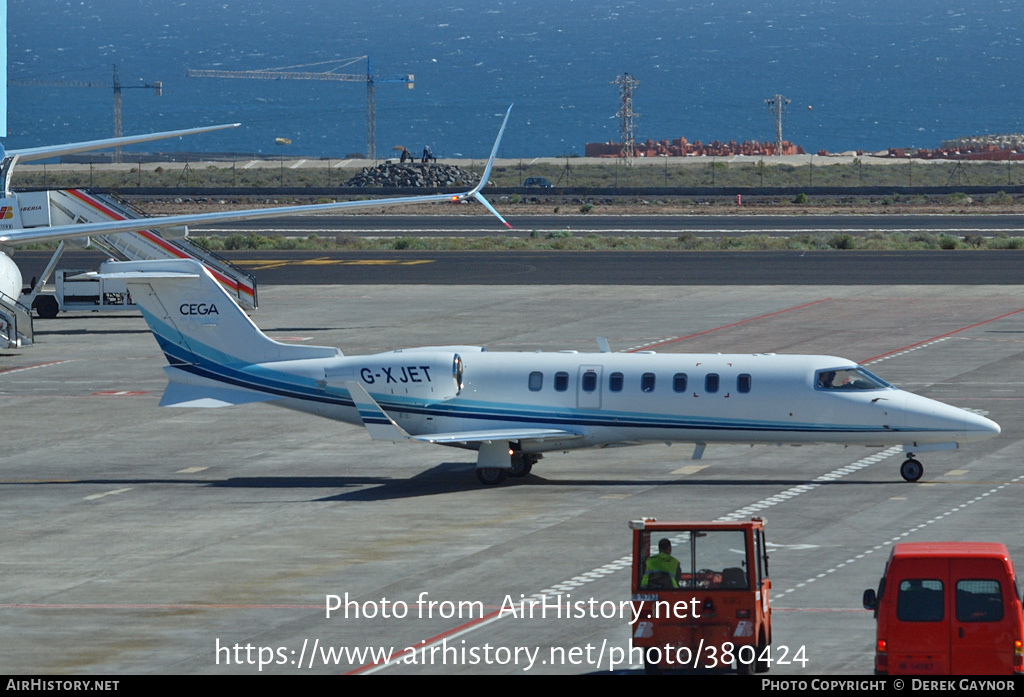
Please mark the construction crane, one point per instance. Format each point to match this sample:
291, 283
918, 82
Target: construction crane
157, 87
287, 73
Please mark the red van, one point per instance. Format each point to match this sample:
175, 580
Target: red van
948, 608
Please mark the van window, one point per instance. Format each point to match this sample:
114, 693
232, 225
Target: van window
979, 601
589, 383
711, 383
679, 382
536, 381
561, 381
647, 382
920, 600
615, 382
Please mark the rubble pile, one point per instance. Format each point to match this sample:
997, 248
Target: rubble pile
422, 175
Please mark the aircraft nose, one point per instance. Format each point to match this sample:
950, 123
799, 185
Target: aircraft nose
977, 426
937, 417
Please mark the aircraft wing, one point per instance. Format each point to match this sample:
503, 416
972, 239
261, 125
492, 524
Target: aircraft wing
62, 232
45, 151
382, 427
497, 434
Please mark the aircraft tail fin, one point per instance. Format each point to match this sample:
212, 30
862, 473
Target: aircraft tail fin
195, 321
475, 192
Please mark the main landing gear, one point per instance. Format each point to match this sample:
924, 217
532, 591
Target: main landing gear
911, 469
522, 465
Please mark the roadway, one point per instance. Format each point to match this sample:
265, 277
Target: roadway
642, 225
147, 540
560, 268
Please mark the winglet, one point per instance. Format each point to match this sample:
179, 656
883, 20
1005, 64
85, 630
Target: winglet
475, 192
378, 424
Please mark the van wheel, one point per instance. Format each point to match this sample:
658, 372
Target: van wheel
744, 668
46, 306
911, 469
763, 664
651, 667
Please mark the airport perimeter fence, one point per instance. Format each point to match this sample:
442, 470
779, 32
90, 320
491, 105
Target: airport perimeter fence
683, 177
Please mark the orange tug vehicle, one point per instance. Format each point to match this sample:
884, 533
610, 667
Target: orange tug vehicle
700, 595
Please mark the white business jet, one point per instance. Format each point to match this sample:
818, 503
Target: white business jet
512, 407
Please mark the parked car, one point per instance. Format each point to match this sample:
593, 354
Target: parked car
538, 181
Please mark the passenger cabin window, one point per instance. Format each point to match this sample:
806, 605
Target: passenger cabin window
743, 383
589, 382
536, 381
561, 381
679, 382
848, 379
979, 600
711, 383
920, 600
615, 381
647, 382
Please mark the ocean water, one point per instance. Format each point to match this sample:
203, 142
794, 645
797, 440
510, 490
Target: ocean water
865, 74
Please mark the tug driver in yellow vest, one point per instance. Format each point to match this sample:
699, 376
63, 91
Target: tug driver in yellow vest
662, 569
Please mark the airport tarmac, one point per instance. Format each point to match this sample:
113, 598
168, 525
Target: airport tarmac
170, 541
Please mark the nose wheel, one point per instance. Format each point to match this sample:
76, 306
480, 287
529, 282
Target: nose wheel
911, 469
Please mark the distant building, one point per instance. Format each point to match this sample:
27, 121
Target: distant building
988, 147
680, 147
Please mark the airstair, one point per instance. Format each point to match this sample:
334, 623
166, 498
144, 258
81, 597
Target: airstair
34, 209
15, 323
69, 206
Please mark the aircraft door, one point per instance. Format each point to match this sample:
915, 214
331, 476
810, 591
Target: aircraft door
588, 387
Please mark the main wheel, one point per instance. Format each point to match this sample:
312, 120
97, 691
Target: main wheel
522, 464
911, 470
491, 476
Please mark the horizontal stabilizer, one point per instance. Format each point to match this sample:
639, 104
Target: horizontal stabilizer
134, 274
187, 390
509, 434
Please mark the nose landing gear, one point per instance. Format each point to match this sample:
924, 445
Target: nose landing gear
911, 469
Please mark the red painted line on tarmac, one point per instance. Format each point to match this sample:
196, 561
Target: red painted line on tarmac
817, 609
940, 336
152, 606
426, 642
118, 393
727, 326
8, 371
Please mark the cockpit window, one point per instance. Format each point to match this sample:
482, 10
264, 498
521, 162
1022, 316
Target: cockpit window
848, 379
